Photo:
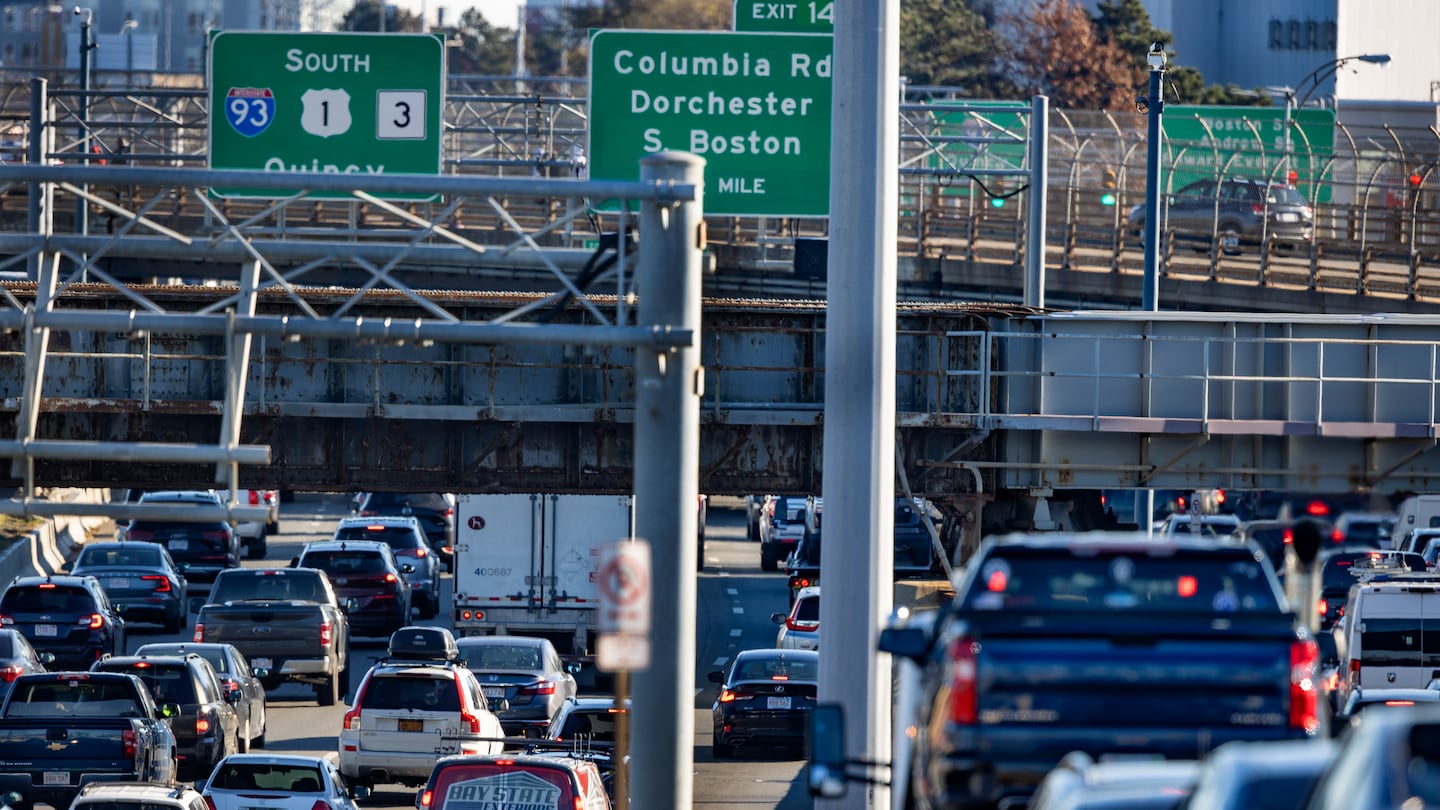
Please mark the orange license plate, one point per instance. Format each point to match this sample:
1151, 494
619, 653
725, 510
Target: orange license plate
412, 725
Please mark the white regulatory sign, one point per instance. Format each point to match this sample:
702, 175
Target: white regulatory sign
624, 584
622, 653
400, 115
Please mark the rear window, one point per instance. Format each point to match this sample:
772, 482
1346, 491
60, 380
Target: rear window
433, 501
397, 537
1335, 576
412, 692
1367, 531
1284, 195
343, 563
1392, 642
596, 725
123, 804
1274, 792
809, 610
1188, 581
168, 526
258, 776
501, 656
274, 586
167, 684
79, 697
774, 667
214, 656
39, 599
141, 555
474, 786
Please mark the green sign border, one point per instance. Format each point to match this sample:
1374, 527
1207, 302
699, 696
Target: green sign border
358, 147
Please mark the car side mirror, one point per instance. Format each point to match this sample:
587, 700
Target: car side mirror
232, 696
498, 705
46, 658
360, 792
407, 568
777, 618
825, 775
118, 608
352, 604
260, 672
718, 676
574, 667
294, 562
65, 566
169, 710
908, 642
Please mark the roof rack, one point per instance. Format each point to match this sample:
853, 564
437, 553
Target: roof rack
1384, 564
422, 645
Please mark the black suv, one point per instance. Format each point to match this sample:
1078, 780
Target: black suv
68, 617
1237, 212
204, 549
366, 572
434, 510
207, 728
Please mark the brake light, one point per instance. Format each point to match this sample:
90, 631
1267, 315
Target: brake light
539, 688
216, 535
1337, 536
1399, 703
466, 717
794, 624
1322, 607
352, 719
1304, 697
127, 743
202, 723
425, 797
254, 498
391, 578
320, 804
1355, 665
449, 512
199, 632
1289, 536
1257, 209
229, 684
94, 621
1317, 508
163, 585
9, 674
964, 696
325, 634
47, 586
209, 803
730, 695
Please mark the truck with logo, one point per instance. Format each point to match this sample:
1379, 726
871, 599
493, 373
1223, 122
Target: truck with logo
529, 565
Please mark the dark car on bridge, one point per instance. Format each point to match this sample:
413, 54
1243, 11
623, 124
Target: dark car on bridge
765, 697
141, 580
1235, 212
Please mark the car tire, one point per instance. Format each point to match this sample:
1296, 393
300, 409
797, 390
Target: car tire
256, 549
700, 550
328, 693
173, 624
1229, 236
721, 750
429, 607
767, 558
259, 742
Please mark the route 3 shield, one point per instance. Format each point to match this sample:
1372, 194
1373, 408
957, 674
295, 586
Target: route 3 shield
326, 111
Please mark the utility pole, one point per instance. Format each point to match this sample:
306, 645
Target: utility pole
1154, 106
82, 209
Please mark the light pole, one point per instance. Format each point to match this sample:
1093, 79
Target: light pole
128, 29
87, 16
1309, 85
1153, 106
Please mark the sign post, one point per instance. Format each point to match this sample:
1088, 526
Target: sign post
756, 107
341, 103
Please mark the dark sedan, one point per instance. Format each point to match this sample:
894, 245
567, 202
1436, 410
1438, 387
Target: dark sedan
764, 698
18, 658
236, 678
141, 579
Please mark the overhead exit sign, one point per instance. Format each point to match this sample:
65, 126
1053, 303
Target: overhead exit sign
786, 16
756, 107
327, 103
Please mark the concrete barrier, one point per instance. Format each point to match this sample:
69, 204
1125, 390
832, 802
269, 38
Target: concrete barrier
54, 541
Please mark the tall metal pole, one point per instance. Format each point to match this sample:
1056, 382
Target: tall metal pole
667, 445
82, 208
38, 219
1039, 186
1150, 294
1288, 144
859, 444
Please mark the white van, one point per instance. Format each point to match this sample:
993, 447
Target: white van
1415, 512
1385, 639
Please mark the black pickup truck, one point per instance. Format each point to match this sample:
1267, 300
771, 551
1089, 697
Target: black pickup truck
1107, 643
61, 730
287, 622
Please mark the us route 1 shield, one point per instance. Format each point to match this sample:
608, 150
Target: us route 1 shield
334, 103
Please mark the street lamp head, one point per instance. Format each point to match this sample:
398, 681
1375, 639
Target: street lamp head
1381, 59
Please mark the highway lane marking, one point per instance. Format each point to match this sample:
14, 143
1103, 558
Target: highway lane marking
734, 633
732, 592
720, 662
737, 609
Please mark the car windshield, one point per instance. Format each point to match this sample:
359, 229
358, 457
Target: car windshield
342, 563
1284, 195
1187, 581
501, 656
397, 537
263, 776
383, 501
276, 586
137, 555
406, 692
596, 724
47, 599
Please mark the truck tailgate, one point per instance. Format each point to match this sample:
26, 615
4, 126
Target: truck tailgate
279, 630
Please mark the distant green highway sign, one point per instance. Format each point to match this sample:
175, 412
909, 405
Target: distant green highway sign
1248, 142
755, 106
340, 103
785, 17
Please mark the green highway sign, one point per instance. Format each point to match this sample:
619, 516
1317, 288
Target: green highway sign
341, 103
756, 107
786, 16
1249, 142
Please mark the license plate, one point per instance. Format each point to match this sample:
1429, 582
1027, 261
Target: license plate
1286, 216
57, 777
179, 545
48, 630
260, 663
117, 582
412, 725
777, 703
494, 691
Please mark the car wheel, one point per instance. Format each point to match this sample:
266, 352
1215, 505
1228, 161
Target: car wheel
721, 750
429, 606
700, 550
1230, 239
272, 527
328, 693
259, 742
256, 549
767, 558
172, 624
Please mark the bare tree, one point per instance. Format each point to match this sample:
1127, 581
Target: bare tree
1057, 50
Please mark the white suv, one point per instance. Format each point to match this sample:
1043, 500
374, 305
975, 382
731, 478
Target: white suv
800, 628
130, 795
414, 706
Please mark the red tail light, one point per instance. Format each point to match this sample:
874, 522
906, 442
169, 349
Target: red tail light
229, 684
1337, 536
539, 688
1257, 209
352, 720
391, 578
410, 552
202, 723
806, 627
1355, 665
472, 720
254, 498
964, 696
731, 695
1322, 607
162, 583
449, 512
199, 632
325, 634
1289, 537
140, 534
216, 536
1304, 697
321, 804
9, 674
127, 743
425, 797
209, 803
94, 621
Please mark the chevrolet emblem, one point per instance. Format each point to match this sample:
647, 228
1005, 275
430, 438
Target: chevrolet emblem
57, 746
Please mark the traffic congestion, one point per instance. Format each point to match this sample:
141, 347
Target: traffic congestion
1243, 656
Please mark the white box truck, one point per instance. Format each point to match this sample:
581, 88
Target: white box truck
527, 565
1415, 512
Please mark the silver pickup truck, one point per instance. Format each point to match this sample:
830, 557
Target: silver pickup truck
287, 621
